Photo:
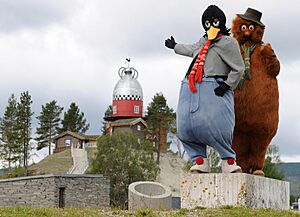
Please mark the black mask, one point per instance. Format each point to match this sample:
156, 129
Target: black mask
214, 16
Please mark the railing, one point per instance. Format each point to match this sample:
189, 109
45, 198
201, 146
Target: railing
74, 161
84, 163
86, 160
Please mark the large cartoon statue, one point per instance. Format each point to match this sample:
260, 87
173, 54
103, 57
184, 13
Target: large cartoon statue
256, 99
205, 113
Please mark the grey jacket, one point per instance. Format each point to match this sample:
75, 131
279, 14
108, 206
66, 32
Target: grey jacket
223, 58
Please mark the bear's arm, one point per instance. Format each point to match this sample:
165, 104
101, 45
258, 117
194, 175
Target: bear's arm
272, 63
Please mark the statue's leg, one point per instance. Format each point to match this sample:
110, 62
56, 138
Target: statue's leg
242, 147
194, 150
219, 121
188, 103
259, 146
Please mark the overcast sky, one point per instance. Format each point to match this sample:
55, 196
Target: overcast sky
71, 51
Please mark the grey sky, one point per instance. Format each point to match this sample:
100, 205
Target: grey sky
71, 51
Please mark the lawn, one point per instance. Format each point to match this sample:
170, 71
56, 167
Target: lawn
91, 153
56, 163
222, 212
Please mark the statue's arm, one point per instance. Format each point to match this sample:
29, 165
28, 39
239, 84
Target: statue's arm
271, 60
186, 49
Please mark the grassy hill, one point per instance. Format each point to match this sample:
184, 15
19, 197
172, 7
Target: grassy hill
292, 174
2, 171
91, 152
56, 163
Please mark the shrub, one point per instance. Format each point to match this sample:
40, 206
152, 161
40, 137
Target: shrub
124, 159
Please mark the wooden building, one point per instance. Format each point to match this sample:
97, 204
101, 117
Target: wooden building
137, 125
67, 139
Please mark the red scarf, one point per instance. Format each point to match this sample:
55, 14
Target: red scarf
197, 70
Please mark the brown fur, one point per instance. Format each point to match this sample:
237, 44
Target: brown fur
256, 105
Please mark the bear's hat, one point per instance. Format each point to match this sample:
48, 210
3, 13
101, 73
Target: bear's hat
252, 15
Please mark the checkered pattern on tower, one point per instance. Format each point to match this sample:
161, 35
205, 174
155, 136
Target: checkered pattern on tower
127, 97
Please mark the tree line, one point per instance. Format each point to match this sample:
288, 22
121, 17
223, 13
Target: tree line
16, 127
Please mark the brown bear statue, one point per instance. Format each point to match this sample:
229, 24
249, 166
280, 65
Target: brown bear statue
257, 98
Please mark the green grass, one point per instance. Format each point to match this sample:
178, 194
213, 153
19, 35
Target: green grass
221, 212
91, 152
13, 173
56, 163
59, 163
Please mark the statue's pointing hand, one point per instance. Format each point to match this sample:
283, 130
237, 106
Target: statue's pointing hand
170, 43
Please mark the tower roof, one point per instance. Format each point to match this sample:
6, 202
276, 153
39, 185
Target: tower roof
128, 88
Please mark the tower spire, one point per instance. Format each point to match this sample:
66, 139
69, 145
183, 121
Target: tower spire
128, 94
127, 62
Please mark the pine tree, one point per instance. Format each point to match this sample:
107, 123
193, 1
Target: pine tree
23, 125
272, 160
74, 120
159, 120
49, 120
9, 149
107, 113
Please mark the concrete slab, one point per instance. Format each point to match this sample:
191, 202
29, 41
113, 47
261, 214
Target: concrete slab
217, 189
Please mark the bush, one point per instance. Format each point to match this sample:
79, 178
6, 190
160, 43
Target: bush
271, 171
14, 173
125, 160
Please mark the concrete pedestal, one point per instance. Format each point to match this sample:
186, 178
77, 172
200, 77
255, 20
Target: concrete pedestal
150, 195
216, 190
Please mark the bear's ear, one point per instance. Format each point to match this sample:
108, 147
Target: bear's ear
258, 33
236, 28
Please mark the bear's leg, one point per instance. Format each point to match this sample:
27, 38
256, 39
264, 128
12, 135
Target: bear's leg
242, 146
259, 146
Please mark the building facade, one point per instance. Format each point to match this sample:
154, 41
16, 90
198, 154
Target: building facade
67, 139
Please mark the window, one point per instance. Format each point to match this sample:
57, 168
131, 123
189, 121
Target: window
68, 142
114, 109
136, 109
138, 127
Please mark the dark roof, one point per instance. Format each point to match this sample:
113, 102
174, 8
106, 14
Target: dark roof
127, 122
90, 137
115, 118
80, 136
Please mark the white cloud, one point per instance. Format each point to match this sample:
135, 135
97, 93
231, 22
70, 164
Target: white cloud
18, 14
290, 158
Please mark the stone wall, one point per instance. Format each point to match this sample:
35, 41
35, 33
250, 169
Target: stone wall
55, 191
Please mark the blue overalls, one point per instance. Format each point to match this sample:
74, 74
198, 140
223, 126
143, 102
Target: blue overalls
205, 119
